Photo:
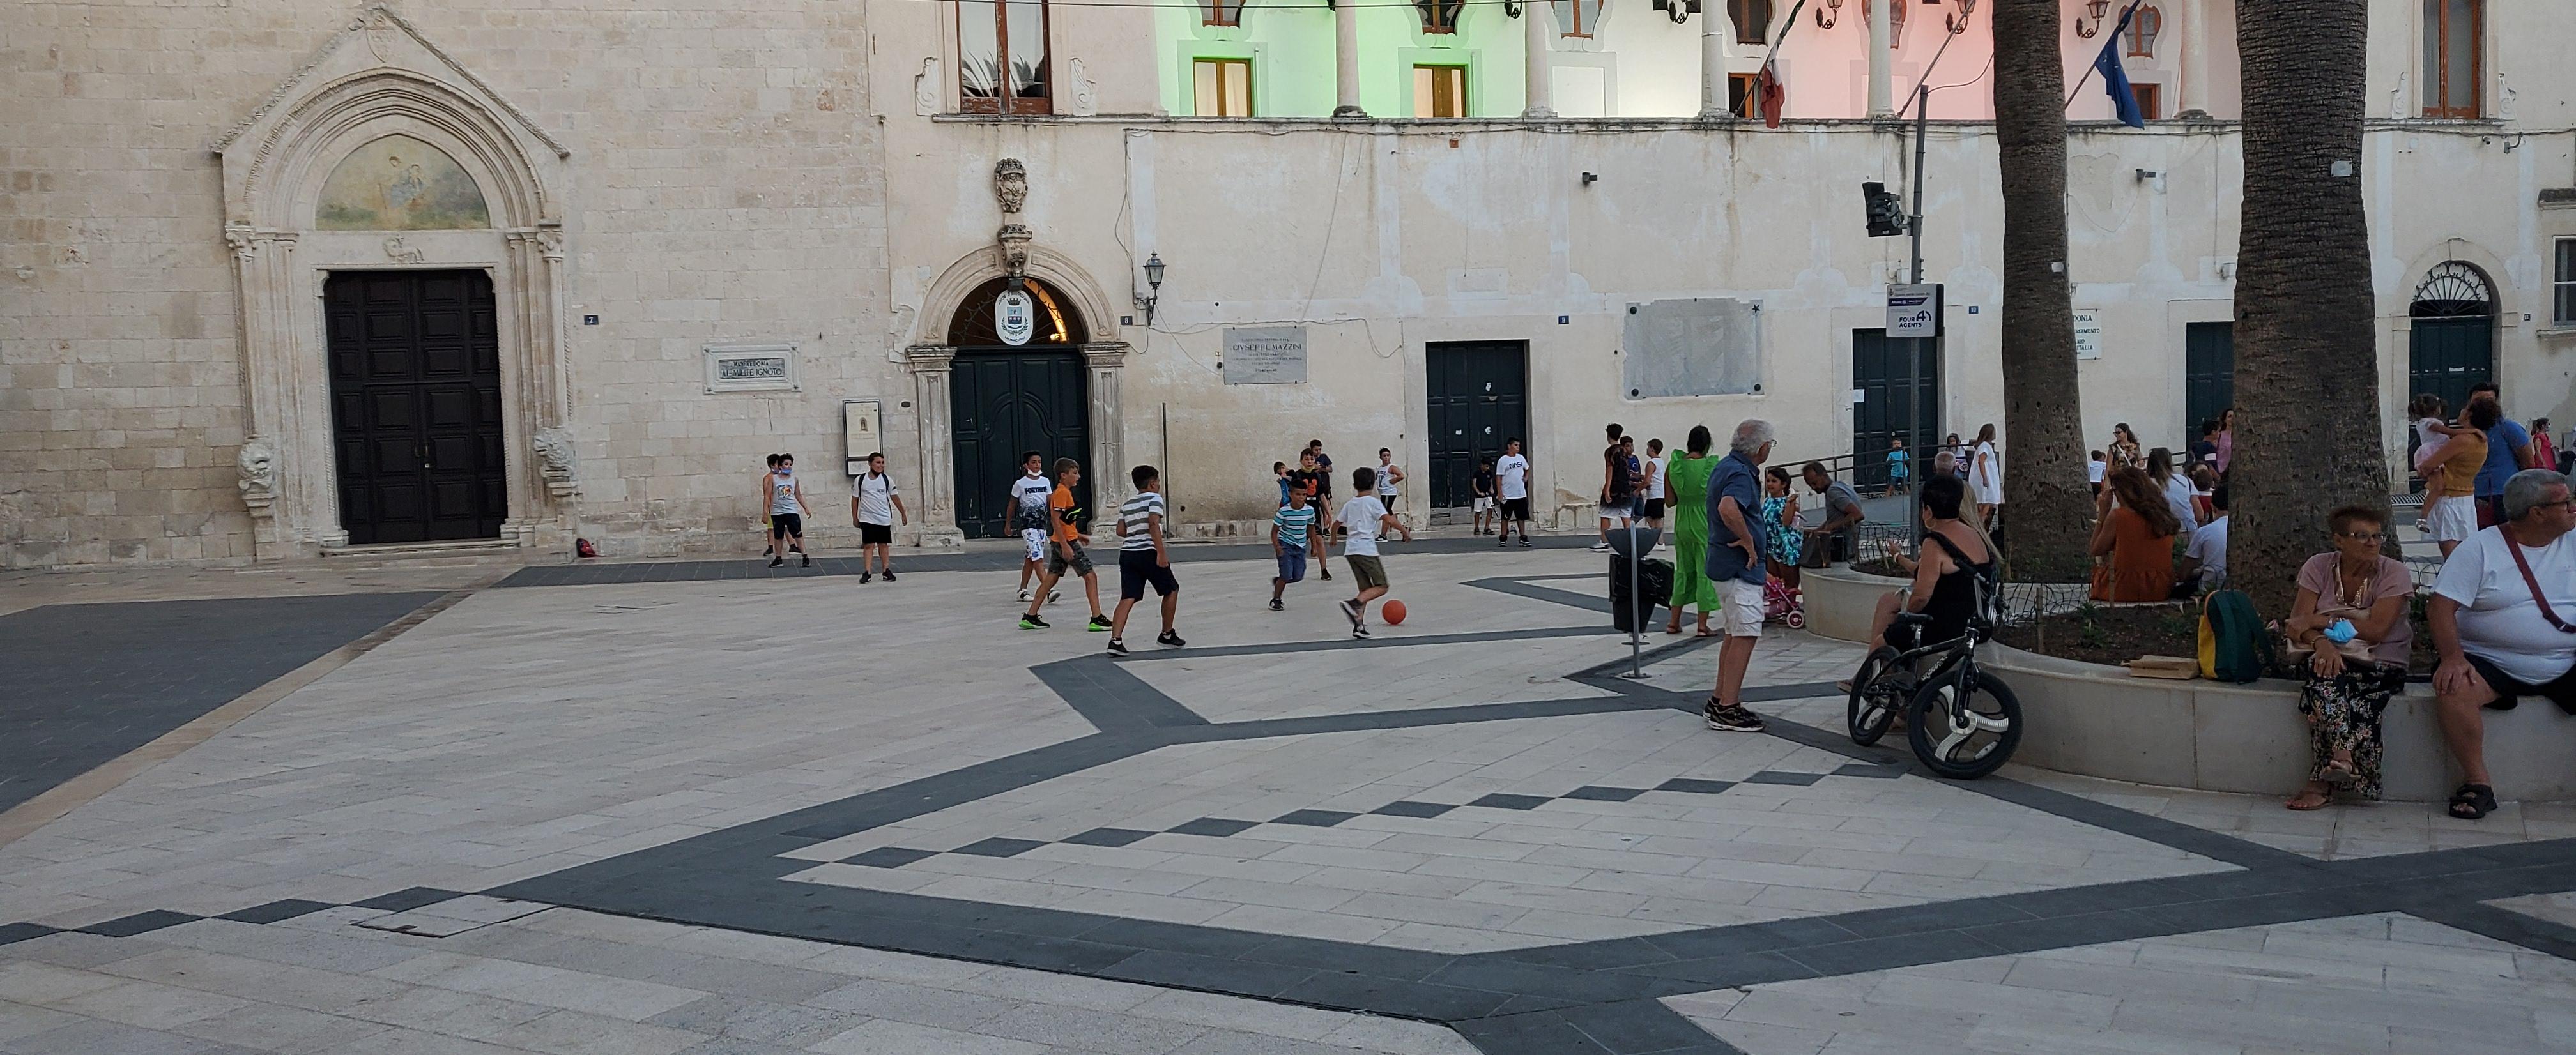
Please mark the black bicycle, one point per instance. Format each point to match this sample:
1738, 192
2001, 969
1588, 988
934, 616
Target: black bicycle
1962, 721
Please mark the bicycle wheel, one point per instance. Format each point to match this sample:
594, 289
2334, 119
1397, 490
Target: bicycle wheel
1964, 739
1873, 701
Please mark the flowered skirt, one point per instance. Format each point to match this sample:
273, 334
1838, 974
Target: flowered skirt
2343, 715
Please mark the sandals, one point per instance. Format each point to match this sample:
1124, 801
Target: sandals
2338, 773
2472, 802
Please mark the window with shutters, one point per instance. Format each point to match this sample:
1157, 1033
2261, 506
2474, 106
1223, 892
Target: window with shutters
1224, 87
1002, 57
2454, 33
1440, 91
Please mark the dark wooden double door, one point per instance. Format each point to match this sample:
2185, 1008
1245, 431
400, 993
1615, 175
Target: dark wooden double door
1005, 402
1479, 396
1899, 382
416, 405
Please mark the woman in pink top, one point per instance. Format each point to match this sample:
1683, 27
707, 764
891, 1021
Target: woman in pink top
2349, 681
2226, 439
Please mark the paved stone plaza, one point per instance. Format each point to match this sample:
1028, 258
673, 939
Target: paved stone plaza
709, 808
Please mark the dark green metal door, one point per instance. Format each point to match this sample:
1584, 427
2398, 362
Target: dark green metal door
2449, 355
1479, 393
1891, 402
1004, 403
2208, 373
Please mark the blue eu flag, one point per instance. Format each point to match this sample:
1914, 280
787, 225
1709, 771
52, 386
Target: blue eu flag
2116, 80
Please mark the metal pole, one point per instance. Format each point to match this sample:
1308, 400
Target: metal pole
1636, 615
1914, 347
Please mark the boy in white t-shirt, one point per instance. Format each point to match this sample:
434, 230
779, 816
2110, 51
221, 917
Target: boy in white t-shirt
1364, 517
1029, 514
1512, 486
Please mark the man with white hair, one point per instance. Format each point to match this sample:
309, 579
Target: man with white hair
1735, 548
2503, 614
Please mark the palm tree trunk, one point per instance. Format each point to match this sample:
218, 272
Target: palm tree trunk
2307, 366
2046, 498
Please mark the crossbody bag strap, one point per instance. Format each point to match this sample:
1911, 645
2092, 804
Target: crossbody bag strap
2528, 580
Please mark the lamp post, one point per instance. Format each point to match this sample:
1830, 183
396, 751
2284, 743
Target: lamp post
1153, 285
2099, 9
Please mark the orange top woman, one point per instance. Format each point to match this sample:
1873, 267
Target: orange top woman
2137, 535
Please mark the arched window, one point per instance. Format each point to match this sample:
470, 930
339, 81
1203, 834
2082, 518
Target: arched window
1440, 16
1002, 57
1221, 12
1577, 18
1753, 20
2454, 33
2143, 31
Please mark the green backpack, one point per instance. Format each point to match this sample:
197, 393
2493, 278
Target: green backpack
2233, 643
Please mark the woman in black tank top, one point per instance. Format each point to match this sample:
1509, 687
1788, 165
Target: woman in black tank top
1947, 578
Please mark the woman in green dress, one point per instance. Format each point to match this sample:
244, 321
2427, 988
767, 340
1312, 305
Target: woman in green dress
1687, 482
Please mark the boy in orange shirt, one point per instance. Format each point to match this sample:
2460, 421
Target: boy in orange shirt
1064, 550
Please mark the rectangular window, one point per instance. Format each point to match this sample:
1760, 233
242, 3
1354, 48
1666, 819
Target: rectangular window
1440, 91
1577, 18
1224, 87
2453, 30
1752, 20
2151, 100
1221, 12
1002, 56
1740, 97
2562, 285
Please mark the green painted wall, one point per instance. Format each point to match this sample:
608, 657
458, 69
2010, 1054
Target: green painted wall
1292, 58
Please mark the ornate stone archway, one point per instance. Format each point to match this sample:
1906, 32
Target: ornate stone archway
378, 77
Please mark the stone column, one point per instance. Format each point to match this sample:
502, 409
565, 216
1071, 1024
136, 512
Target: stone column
2194, 60
930, 365
1715, 31
1882, 34
1106, 361
277, 479
1346, 61
1537, 26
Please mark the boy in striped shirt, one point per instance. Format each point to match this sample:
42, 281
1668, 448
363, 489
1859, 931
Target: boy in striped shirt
1142, 560
1289, 529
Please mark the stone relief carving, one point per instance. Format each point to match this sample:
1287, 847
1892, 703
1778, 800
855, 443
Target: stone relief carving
553, 444
2505, 96
257, 461
2397, 99
1086, 93
1014, 247
1011, 184
925, 89
402, 252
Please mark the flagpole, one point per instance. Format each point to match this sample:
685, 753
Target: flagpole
2097, 61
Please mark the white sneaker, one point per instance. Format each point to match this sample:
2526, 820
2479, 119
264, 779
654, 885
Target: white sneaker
1027, 595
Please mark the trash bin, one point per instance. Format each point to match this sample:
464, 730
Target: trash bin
1654, 587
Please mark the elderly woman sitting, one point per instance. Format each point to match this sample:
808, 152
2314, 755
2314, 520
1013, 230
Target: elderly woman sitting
2351, 611
2137, 535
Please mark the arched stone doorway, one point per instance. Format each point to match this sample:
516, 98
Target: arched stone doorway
2452, 343
1006, 399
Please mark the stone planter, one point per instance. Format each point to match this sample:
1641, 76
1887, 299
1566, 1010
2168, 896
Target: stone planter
1840, 601
2095, 720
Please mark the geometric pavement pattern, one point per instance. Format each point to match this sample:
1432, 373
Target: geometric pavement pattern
1631, 995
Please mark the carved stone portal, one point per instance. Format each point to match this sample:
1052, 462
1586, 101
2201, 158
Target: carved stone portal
1011, 185
555, 460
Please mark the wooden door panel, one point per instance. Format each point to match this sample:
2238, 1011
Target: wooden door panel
1476, 403
415, 377
1004, 402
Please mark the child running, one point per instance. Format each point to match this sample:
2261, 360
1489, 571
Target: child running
1143, 560
1313, 480
1064, 550
875, 502
1363, 517
1290, 527
1028, 508
786, 499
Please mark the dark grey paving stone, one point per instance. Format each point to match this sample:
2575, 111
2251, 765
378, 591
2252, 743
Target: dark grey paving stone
409, 898
1107, 837
139, 923
1211, 973
1532, 1033
13, 933
888, 857
1388, 996
1692, 786
90, 682
1216, 826
1590, 955
998, 846
276, 911
1376, 961
1530, 979
1774, 776
1410, 808
1717, 972
1879, 954
2065, 932
1939, 915
1750, 937
1864, 769
1313, 818
1599, 793
1504, 801
1633, 1027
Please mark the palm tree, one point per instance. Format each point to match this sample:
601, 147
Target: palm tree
2307, 366
2046, 498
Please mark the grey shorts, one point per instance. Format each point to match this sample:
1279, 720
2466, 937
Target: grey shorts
1366, 571
1057, 562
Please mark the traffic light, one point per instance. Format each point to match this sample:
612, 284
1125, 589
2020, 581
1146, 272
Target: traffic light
1886, 210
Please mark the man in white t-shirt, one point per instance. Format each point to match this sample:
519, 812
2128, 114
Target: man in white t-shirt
1512, 481
2503, 614
2204, 562
1028, 513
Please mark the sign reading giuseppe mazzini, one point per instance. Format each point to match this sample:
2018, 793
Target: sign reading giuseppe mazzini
1265, 355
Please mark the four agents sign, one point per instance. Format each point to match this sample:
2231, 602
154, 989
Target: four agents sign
1914, 310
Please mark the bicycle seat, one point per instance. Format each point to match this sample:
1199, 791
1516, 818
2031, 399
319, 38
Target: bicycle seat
1903, 616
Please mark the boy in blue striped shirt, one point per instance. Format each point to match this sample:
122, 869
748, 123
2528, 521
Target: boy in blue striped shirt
1289, 530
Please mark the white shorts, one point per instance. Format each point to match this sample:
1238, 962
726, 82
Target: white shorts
1742, 612
1484, 505
1036, 539
2451, 519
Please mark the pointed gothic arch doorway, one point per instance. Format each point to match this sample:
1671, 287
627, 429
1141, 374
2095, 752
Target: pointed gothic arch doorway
1006, 399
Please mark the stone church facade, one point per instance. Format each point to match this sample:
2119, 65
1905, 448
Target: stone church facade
289, 278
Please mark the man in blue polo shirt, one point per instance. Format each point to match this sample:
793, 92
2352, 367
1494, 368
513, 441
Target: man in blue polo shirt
1735, 547
2508, 452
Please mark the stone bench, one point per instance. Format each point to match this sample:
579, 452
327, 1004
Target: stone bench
2097, 721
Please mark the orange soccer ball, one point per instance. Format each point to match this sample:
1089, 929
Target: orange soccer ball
1394, 612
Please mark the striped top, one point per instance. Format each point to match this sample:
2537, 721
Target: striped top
1292, 522
1131, 520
